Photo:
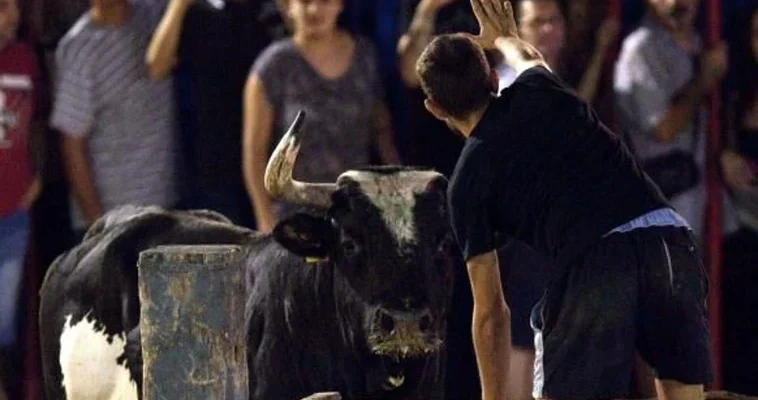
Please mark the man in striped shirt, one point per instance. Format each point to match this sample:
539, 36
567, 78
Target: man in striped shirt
117, 124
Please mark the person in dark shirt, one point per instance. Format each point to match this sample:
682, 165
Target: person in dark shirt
214, 43
539, 166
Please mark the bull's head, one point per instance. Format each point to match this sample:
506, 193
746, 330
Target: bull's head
386, 233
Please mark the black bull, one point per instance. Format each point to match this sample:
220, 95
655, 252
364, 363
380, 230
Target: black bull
350, 296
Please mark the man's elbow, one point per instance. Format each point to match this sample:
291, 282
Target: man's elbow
155, 69
408, 75
493, 318
411, 81
664, 134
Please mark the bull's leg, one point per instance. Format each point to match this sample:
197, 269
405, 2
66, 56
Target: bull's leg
50, 331
133, 355
89, 360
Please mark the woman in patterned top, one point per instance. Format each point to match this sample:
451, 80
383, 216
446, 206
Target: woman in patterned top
333, 76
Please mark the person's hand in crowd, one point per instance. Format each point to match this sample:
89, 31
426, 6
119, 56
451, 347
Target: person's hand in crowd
31, 195
495, 20
607, 34
736, 170
430, 8
266, 222
714, 65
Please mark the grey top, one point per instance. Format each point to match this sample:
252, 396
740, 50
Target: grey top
103, 93
652, 68
339, 128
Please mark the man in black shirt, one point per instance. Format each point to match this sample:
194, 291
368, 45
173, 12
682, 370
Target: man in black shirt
539, 167
214, 42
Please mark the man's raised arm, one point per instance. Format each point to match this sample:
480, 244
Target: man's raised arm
419, 34
520, 55
161, 55
497, 29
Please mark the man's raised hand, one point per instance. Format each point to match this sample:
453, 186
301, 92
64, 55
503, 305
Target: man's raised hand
495, 20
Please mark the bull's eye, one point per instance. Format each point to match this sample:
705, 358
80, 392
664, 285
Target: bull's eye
444, 250
444, 240
349, 248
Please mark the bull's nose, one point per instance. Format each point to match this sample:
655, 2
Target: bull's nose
390, 321
385, 320
425, 321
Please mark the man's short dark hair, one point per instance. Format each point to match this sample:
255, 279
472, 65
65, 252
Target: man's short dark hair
455, 74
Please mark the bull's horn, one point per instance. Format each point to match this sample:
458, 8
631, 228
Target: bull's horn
278, 178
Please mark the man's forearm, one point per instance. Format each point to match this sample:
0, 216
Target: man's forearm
80, 177
518, 54
681, 111
385, 142
32, 193
588, 86
491, 324
254, 172
412, 44
162, 52
492, 340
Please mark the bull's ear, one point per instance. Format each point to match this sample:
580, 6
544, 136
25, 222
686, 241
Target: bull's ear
306, 235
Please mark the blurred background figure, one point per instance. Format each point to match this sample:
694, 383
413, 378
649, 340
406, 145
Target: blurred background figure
19, 180
118, 138
211, 46
333, 76
543, 24
423, 19
739, 164
662, 79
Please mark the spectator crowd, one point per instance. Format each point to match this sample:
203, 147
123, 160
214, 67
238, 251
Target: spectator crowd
178, 103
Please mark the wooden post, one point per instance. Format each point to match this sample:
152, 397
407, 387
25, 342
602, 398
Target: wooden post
192, 322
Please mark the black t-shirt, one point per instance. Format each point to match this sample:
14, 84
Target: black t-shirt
217, 47
541, 168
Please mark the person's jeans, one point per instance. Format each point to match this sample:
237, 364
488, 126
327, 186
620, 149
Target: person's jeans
14, 239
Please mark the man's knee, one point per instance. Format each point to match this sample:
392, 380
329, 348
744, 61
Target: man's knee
675, 390
521, 374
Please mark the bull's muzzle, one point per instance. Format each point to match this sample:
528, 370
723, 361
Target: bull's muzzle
401, 334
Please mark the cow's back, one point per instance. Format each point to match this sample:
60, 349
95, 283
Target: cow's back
89, 310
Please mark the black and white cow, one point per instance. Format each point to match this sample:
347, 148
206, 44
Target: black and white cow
348, 296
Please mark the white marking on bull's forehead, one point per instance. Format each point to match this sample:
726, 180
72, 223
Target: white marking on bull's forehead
394, 195
89, 366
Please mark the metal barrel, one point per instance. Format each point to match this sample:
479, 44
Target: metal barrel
192, 323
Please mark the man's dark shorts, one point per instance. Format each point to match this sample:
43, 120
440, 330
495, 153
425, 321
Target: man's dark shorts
644, 290
525, 274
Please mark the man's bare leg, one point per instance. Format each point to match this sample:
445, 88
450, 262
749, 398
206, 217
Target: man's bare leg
3, 393
520, 374
673, 390
644, 379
